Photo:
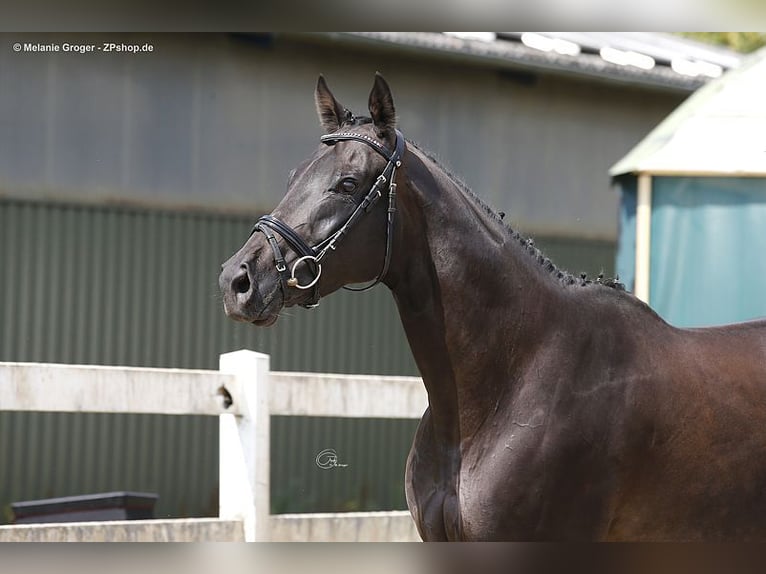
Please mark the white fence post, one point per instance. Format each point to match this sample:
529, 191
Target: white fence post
244, 445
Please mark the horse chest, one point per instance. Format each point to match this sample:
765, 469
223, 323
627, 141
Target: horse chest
472, 492
499, 487
513, 482
431, 485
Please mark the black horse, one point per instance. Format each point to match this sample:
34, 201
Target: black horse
559, 408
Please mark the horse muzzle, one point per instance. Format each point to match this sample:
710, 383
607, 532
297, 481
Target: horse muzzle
242, 296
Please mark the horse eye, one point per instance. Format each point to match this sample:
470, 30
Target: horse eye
348, 185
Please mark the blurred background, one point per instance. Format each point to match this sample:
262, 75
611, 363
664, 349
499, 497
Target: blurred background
126, 179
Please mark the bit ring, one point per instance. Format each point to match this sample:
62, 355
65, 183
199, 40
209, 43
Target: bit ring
293, 281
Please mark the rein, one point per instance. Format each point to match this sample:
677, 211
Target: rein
312, 256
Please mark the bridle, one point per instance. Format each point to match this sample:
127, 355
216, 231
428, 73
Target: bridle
268, 224
312, 256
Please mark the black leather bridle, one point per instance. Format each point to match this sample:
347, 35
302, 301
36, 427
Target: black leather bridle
312, 256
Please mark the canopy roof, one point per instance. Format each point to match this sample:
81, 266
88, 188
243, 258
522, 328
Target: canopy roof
720, 130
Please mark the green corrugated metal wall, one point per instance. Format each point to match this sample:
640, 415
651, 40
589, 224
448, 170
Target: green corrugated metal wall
374, 450
128, 286
125, 286
121, 286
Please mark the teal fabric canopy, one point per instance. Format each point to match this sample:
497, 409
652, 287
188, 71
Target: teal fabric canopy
705, 166
708, 250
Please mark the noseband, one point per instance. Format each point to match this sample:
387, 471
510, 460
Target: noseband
312, 256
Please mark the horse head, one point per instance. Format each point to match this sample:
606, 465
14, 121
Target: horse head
329, 230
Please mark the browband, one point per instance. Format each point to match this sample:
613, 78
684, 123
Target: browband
332, 138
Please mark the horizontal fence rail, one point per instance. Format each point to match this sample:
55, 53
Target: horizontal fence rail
362, 396
243, 393
99, 389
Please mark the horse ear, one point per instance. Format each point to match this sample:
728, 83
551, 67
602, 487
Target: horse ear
381, 106
331, 112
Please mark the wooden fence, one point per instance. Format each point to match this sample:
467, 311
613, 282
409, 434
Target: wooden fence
243, 393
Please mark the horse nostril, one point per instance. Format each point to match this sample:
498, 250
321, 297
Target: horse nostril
241, 281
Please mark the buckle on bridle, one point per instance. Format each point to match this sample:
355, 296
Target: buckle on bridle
375, 194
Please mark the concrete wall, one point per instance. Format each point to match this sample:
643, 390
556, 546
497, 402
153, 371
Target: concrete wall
323, 527
188, 530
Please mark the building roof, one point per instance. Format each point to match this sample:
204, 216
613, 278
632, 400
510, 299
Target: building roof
719, 130
653, 60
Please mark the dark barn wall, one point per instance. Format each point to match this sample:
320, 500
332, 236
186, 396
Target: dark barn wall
218, 121
125, 180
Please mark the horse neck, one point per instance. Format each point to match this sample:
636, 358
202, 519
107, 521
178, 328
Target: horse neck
472, 300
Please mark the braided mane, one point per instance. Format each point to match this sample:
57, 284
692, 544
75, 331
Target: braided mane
564, 277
